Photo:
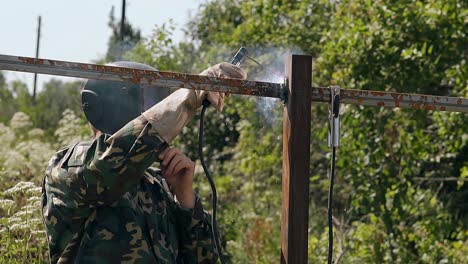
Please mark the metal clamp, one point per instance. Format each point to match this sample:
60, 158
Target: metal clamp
334, 117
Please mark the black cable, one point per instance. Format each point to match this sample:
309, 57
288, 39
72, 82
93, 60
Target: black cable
214, 226
330, 212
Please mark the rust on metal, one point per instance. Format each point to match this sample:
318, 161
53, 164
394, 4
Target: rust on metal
394, 99
146, 77
231, 86
377, 93
31, 60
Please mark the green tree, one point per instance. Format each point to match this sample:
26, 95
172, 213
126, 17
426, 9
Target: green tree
406, 47
386, 207
7, 102
51, 102
390, 205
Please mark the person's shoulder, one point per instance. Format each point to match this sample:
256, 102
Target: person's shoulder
72, 152
78, 153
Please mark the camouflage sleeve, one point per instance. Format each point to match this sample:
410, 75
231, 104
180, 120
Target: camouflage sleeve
195, 239
113, 164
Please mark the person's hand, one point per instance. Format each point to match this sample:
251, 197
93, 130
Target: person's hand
178, 170
221, 70
170, 116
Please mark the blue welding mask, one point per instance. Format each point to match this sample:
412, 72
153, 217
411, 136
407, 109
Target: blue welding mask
109, 105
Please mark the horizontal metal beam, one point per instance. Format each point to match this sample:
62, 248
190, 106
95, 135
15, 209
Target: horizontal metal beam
244, 87
394, 100
157, 78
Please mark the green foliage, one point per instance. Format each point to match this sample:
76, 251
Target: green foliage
71, 129
55, 97
391, 205
160, 51
7, 101
46, 110
256, 24
386, 45
23, 160
386, 156
24, 151
22, 233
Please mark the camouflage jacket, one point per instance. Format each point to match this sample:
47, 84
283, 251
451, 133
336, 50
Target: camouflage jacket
101, 203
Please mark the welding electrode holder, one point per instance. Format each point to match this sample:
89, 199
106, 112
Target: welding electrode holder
334, 117
239, 57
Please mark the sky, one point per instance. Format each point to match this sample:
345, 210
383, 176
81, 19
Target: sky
77, 30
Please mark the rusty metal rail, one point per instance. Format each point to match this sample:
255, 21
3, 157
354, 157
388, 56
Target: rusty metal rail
157, 78
197, 82
394, 100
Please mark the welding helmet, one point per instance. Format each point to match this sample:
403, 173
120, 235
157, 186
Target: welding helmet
109, 105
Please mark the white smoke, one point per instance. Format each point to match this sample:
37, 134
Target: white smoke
271, 70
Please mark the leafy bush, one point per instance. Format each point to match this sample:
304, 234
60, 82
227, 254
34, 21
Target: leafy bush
395, 197
23, 160
22, 232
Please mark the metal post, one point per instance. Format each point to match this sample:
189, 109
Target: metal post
37, 55
296, 159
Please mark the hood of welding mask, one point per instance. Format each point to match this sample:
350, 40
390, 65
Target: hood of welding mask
109, 105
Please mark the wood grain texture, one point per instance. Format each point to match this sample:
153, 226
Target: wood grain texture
296, 159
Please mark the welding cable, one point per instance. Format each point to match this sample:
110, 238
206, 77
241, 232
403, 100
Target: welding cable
330, 212
214, 226
334, 142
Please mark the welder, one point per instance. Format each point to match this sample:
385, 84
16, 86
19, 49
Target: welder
102, 201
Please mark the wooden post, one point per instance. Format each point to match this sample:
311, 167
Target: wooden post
296, 159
